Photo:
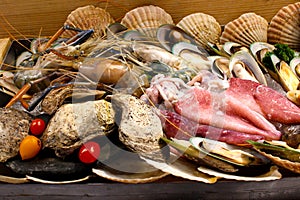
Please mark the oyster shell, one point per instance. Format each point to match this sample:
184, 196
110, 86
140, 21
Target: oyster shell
146, 19
74, 124
88, 17
203, 27
14, 127
245, 30
285, 26
140, 128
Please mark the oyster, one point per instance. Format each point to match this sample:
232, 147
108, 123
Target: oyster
285, 26
14, 127
74, 124
203, 27
88, 17
245, 30
140, 128
146, 19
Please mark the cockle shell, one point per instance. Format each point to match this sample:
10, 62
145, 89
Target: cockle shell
203, 27
245, 30
146, 19
285, 26
88, 17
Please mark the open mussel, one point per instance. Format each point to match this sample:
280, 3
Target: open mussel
195, 55
243, 65
220, 67
169, 34
231, 48
259, 50
295, 65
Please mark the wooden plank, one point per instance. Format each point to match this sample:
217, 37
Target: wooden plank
286, 188
34, 18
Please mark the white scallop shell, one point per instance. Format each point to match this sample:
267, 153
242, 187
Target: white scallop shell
88, 17
285, 26
245, 30
182, 168
146, 19
273, 174
203, 27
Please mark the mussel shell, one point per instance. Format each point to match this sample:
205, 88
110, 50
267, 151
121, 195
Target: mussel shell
295, 66
231, 48
258, 50
220, 67
169, 34
115, 29
250, 64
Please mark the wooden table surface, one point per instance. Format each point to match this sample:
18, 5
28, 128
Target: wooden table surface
33, 17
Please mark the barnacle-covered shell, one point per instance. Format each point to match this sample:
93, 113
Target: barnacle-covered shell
203, 27
146, 19
88, 17
285, 26
245, 30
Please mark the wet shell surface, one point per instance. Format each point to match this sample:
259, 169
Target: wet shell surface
146, 19
203, 27
245, 30
285, 26
88, 17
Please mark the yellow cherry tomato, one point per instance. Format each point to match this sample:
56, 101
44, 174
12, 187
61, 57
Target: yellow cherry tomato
30, 147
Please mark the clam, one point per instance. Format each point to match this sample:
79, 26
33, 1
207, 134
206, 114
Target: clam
243, 65
146, 19
285, 26
259, 50
169, 34
88, 17
245, 30
203, 27
193, 54
284, 74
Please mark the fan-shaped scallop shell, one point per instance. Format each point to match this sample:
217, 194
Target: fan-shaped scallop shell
285, 26
203, 27
146, 19
88, 17
245, 30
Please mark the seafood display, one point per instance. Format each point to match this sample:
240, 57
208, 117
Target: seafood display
141, 97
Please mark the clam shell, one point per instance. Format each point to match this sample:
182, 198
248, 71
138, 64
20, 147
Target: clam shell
285, 26
292, 166
245, 30
203, 27
146, 19
88, 17
273, 174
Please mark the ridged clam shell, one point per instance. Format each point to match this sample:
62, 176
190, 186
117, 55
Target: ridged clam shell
146, 19
88, 17
285, 26
292, 166
245, 30
203, 27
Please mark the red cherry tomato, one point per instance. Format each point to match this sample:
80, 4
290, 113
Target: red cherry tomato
37, 126
89, 152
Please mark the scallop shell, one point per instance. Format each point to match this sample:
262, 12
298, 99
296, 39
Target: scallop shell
245, 30
292, 166
285, 26
203, 27
88, 17
273, 174
146, 19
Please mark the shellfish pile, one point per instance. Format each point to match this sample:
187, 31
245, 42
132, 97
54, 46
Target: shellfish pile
157, 97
